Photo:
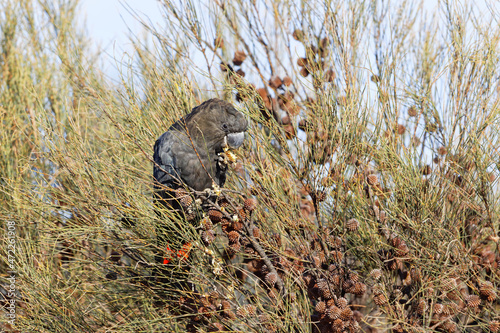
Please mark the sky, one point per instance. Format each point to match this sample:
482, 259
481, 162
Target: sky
110, 22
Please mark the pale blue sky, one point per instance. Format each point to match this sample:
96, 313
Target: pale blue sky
110, 22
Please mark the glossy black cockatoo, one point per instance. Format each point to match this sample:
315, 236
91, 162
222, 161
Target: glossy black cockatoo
187, 156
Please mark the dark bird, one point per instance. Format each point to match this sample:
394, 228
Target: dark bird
188, 156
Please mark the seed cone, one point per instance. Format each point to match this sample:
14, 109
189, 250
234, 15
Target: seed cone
321, 307
352, 225
215, 215
250, 204
239, 57
472, 301
275, 82
219, 42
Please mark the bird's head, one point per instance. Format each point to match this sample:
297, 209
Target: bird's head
217, 124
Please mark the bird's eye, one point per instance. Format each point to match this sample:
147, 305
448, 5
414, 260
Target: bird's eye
224, 127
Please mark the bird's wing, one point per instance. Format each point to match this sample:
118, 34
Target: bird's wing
166, 171
177, 163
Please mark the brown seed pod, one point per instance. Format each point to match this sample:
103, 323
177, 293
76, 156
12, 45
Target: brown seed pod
204, 301
320, 307
292, 108
347, 286
262, 92
254, 265
341, 302
304, 72
190, 215
491, 296
239, 57
346, 314
442, 151
450, 309
329, 75
376, 273
242, 214
394, 264
304, 125
247, 310
402, 249
271, 278
325, 293
494, 326
226, 305
250, 204
372, 180
379, 299
208, 236
287, 81
219, 42
222, 201
449, 326
398, 329
335, 279
359, 289
333, 312
334, 241
449, 284
215, 215
206, 223
289, 131
273, 293
233, 236
185, 200
485, 286
401, 129
375, 78
321, 196
353, 277
298, 35
180, 193
236, 246
336, 255
421, 307
324, 42
322, 284
286, 120
338, 325
412, 111
426, 170
264, 269
240, 72
275, 82
217, 326
302, 62
431, 127
237, 225
472, 301
438, 308
330, 303
225, 67
352, 225
491, 176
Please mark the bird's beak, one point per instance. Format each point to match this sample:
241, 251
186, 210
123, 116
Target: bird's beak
234, 140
